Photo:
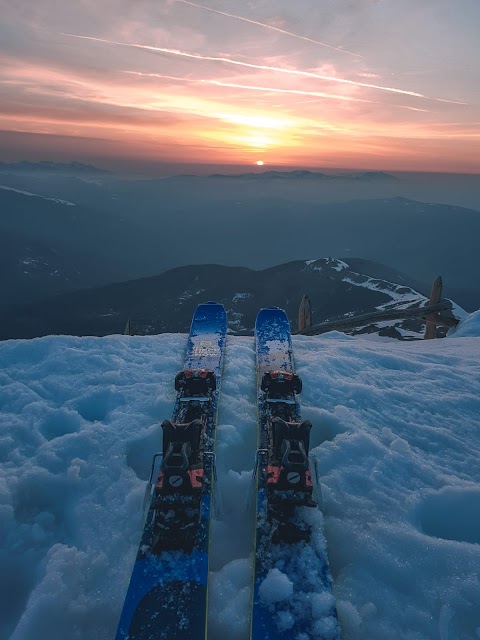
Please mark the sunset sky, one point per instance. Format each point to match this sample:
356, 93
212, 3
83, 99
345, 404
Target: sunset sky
374, 84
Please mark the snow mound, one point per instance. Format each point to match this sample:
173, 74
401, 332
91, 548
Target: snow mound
467, 328
395, 442
276, 587
453, 513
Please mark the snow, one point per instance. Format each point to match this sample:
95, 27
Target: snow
469, 327
297, 588
340, 265
36, 195
333, 263
186, 295
396, 443
396, 292
276, 587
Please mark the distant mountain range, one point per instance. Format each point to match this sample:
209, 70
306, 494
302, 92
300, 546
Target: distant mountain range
79, 168
46, 166
165, 303
61, 232
308, 175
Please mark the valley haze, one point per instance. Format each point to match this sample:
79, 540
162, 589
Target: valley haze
71, 226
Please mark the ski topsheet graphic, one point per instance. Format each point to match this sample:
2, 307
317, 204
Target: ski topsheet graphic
167, 595
292, 592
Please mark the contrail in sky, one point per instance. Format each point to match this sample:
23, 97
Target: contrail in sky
295, 72
233, 85
399, 106
269, 26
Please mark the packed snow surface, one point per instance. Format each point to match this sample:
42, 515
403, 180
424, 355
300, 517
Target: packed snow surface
396, 438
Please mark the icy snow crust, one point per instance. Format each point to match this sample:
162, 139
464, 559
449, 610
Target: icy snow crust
397, 441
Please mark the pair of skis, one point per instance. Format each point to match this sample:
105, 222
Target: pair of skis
292, 595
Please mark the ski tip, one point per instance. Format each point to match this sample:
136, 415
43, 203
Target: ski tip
272, 314
211, 306
268, 310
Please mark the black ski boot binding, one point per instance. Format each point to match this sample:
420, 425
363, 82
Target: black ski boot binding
281, 384
289, 468
181, 469
195, 383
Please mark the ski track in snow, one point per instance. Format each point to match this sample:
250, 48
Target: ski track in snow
395, 436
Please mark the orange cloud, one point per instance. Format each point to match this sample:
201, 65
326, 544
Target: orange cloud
292, 113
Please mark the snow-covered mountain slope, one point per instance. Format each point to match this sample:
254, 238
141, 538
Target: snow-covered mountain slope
395, 436
36, 195
394, 296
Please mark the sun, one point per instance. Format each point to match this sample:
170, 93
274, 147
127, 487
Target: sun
260, 163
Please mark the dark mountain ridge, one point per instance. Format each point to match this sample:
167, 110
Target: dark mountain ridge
165, 303
135, 229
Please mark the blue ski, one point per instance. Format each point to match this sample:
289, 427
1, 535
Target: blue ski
292, 594
167, 595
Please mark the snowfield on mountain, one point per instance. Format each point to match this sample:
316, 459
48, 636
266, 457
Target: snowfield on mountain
396, 440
